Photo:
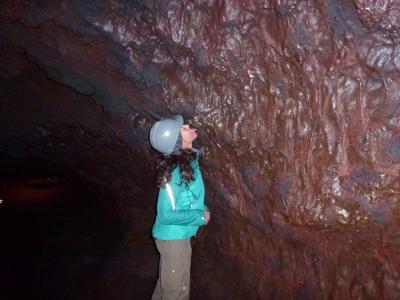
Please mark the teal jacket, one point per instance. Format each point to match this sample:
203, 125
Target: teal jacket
180, 210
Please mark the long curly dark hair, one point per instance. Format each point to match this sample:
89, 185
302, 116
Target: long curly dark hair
166, 164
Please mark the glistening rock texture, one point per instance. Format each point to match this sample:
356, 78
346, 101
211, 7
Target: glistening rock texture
299, 109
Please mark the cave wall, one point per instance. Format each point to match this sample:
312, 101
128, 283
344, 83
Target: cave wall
297, 102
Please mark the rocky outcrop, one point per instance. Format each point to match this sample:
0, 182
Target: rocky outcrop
297, 102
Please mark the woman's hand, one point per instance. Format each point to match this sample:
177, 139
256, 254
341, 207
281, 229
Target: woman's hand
207, 215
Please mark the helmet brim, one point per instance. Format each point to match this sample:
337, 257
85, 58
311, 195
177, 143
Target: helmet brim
179, 120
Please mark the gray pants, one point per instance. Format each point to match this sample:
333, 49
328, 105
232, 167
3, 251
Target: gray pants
174, 270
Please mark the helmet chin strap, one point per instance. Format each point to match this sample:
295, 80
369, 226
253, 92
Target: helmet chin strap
178, 145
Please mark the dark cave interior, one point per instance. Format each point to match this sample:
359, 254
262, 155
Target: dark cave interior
56, 236
297, 105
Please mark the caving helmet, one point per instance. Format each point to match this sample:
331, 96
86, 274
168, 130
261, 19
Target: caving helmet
166, 134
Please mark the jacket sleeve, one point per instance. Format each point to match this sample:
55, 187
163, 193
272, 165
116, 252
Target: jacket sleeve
168, 215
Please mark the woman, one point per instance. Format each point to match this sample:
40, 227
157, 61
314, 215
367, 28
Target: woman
180, 205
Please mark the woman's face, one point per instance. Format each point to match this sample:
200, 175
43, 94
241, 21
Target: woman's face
188, 134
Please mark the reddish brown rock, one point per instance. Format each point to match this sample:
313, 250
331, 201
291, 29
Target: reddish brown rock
298, 106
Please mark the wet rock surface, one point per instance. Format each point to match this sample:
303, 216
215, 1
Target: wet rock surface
297, 102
